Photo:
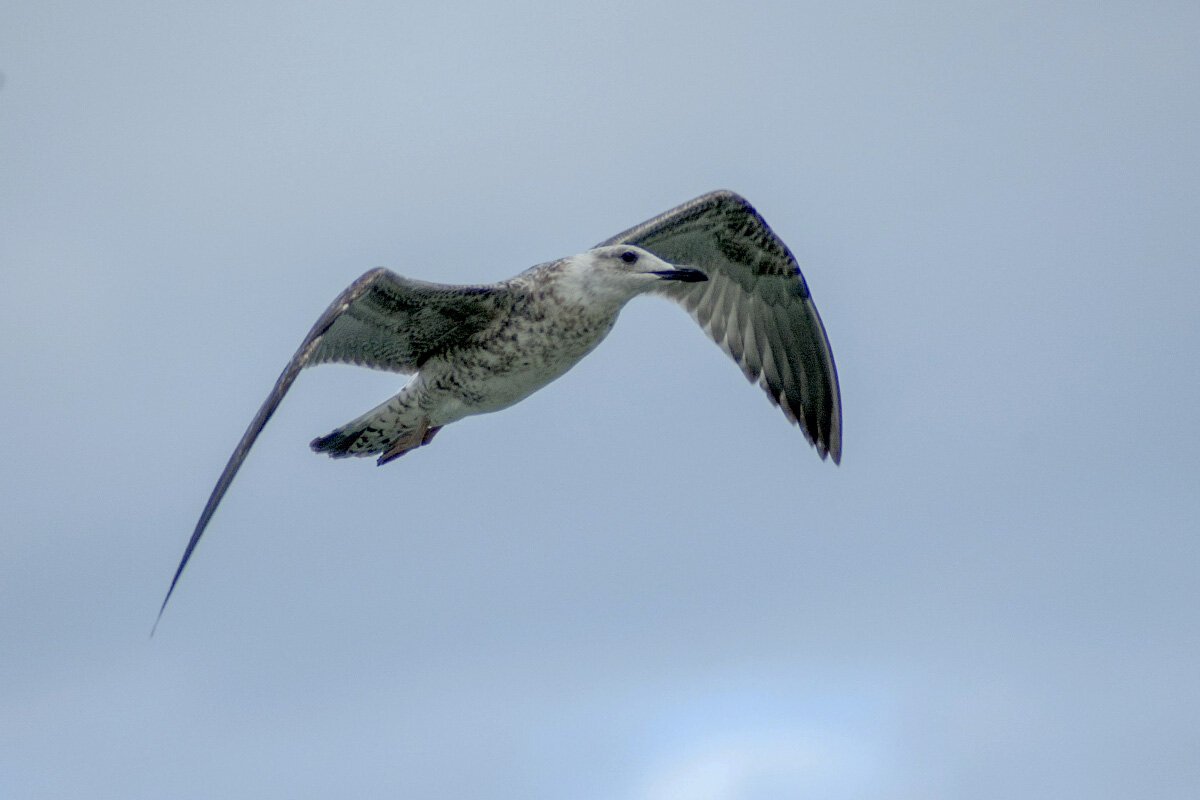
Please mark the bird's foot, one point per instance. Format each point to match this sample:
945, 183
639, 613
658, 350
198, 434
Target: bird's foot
421, 435
429, 434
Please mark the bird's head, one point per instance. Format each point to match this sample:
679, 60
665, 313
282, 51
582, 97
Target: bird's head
622, 271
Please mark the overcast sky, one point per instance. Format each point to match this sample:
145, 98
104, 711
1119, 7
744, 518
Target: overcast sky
641, 583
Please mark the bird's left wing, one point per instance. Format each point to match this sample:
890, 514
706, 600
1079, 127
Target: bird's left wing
755, 305
383, 321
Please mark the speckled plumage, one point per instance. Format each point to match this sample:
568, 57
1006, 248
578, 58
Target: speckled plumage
476, 349
534, 330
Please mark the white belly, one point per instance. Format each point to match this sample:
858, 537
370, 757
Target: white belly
490, 379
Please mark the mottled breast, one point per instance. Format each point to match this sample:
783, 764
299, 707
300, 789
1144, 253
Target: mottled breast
542, 337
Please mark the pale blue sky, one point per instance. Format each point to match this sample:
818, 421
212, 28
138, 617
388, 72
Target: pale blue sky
641, 583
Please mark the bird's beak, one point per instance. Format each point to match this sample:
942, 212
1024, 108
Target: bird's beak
685, 274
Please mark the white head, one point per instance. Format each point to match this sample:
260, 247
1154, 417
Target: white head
619, 272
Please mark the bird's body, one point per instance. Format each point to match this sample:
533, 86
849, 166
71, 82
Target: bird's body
476, 349
537, 326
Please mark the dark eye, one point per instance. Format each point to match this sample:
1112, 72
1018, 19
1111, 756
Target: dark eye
629, 257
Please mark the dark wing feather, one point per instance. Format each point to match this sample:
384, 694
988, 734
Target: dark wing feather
383, 321
755, 305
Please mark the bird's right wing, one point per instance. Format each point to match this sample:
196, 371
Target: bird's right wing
755, 305
383, 321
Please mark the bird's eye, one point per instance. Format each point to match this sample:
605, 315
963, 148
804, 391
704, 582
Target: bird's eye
629, 257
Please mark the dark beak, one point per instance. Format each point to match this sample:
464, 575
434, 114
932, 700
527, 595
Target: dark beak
685, 274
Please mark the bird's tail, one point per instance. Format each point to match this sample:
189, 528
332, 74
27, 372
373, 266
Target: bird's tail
388, 431
348, 440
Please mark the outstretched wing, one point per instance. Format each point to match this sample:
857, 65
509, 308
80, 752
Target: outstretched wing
755, 305
383, 321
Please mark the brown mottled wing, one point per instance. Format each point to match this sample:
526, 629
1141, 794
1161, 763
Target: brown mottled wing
755, 305
383, 321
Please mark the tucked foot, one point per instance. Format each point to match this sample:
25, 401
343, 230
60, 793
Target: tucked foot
421, 435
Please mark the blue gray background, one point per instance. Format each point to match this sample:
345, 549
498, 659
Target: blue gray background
640, 584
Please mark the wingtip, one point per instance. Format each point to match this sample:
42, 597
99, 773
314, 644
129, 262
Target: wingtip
832, 441
162, 609
829, 449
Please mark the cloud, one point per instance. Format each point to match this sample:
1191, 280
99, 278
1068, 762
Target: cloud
763, 764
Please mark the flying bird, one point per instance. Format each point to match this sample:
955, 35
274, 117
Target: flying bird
475, 349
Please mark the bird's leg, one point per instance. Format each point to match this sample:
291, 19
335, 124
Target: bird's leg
422, 434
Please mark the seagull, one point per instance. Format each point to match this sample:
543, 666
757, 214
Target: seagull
476, 349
